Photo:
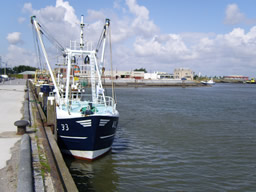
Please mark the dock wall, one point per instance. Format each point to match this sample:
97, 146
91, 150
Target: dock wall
149, 83
61, 178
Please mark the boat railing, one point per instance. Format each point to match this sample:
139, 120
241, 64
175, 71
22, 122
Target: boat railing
78, 96
109, 101
74, 45
75, 96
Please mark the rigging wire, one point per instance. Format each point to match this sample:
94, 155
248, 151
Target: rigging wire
37, 48
48, 35
39, 53
100, 39
110, 49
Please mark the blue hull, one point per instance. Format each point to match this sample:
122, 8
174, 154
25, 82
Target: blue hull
90, 133
46, 88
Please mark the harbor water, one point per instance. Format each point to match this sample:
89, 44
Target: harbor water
178, 139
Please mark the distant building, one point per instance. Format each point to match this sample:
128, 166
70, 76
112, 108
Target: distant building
124, 74
164, 75
152, 76
138, 74
158, 75
236, 77
180, 73
107, 74
28, 74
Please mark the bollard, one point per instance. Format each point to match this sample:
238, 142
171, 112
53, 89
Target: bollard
21, 126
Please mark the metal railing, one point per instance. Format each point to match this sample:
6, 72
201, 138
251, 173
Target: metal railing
76, 45
77, 96
109, 100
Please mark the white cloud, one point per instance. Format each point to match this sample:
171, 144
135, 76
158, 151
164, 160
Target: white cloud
233, 15
120, 31
59, 21
231, 53
221, 54
20, 56
70, 15
209, 53
14, 38
141, 25
171, 45
140, 11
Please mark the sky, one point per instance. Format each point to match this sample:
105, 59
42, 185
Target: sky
213, 38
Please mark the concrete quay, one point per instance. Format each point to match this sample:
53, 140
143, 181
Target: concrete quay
11, 103
150, 83
33, 161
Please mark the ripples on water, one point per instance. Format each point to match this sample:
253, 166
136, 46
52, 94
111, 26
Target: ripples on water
178, 139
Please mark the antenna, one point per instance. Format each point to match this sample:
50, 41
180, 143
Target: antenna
82, 33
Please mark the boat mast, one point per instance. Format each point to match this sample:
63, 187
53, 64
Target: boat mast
82, 33
37, 27
69, 55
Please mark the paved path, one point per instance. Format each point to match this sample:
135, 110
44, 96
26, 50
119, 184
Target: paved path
11, 102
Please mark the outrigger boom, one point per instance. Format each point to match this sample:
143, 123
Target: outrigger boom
38, 30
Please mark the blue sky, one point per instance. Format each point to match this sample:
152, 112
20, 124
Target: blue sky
212, 37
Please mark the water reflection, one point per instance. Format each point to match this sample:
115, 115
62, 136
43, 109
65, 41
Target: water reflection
99, 175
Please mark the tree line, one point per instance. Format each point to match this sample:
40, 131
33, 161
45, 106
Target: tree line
17, 69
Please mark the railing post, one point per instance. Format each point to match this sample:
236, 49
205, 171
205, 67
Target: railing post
51, 115
41, 98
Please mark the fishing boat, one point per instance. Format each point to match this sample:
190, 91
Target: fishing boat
87, 118
209, 82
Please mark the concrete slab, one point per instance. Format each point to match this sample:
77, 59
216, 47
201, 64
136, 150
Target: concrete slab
11, 101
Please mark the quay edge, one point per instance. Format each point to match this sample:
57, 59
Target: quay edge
54, 174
